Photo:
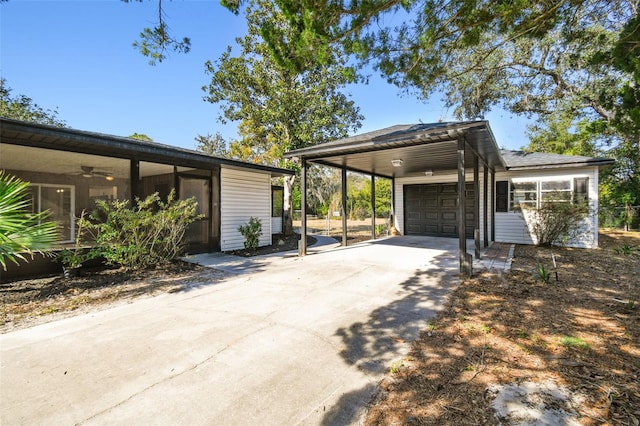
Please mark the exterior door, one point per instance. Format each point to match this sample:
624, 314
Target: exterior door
432, 209
198, 187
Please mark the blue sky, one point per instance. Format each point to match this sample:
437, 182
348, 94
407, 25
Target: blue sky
77, 57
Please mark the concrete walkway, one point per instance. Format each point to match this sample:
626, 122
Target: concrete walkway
294, 341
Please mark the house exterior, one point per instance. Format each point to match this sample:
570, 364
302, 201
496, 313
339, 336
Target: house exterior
452, 180
70, 169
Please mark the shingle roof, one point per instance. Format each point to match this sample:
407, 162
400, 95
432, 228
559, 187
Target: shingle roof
538, 160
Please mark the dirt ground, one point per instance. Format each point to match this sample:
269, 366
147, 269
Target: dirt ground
581, 333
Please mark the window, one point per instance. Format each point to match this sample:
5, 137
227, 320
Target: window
581, 190
523, 194
533, 193
277, 201
555, 191
58, 200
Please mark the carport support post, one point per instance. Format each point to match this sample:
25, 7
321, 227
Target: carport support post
462, 213
493, 205
302, 249
134, 175
485, 194
344, 206
373, 206
476, 205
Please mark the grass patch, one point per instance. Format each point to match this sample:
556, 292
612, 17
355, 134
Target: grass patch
576, 342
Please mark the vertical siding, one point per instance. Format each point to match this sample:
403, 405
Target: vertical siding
440, 178
243, 194
512, 227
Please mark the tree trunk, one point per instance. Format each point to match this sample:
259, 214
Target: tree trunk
287, 220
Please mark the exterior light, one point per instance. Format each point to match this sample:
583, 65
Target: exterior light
396, 163
109, 177
428, 173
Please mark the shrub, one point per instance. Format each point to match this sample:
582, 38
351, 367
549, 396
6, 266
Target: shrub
22, 232
555, 223
251, 233
149, 234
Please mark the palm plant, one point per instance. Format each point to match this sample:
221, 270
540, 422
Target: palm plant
21, 232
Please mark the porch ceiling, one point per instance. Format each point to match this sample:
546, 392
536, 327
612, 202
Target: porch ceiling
421, 147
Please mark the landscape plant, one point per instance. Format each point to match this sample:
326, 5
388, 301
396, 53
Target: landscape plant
555, 222
22, 232
152, 233
72, 259
251, 232
543, 274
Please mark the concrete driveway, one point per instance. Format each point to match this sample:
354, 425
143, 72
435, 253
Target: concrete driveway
290, 341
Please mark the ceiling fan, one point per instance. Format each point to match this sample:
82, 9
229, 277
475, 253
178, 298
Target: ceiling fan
89, 172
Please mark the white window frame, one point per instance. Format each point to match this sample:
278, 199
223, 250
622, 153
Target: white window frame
539, 192
72, 215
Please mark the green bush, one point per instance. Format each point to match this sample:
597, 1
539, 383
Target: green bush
556, 223
251, 233
22, 232
149, 234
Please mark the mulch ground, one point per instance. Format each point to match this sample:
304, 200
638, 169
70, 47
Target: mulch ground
581, 332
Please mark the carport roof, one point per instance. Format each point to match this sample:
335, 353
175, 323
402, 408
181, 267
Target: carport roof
66, 139
421, 147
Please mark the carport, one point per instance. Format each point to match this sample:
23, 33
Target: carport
414, 150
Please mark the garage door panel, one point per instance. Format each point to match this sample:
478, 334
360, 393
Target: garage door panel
430, 202
413, 215
448, 203
448, 216
430, 229
414, 229
448, 230
447, 188
432, 209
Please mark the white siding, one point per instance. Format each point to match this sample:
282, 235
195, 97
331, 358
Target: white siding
243, 194
441, 178
511, 227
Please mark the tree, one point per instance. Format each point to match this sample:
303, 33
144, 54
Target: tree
278, 109
524, 56
212, 144
154, 42
141, 137
23, 108
560, 134
322, 184
21, 232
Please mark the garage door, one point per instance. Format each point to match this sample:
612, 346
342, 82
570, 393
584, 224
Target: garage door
433, 210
